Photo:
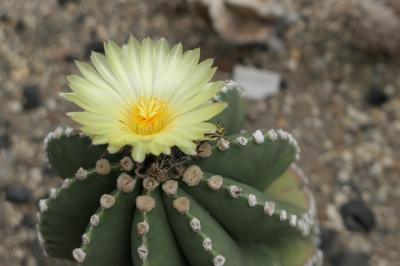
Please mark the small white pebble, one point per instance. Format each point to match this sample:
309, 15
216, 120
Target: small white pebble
258, 136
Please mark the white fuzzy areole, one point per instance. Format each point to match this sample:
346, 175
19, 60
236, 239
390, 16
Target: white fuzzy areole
195, 225
258, 136
142, 228
53, 193
193, 175
293, 220
81, 174
126, 163
85, 239
103, 167
242, 140
145, 203
272, 135
170, 187
235, 191
126, 183
207, 244
43, 205
223, 144
107, 201
150, 183
283, 215
204, 150
94, 220
79, 255
143, 252
252, 200
215, 182
269, 208
182, 205
66, 183
219, 260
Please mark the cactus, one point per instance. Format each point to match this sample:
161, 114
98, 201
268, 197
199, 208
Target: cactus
240, 201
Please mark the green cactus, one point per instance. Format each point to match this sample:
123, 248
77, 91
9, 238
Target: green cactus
241, 201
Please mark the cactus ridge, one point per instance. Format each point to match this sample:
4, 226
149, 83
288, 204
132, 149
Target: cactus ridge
255, 159
75, 200
245, 205
240, 202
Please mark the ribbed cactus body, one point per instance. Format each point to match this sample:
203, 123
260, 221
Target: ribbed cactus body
240, 202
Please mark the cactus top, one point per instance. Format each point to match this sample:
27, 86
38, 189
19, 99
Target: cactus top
145, 95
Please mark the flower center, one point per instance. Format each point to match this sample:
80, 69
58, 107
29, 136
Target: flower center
148, 115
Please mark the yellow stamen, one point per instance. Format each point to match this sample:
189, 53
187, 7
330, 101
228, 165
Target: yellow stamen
149, 115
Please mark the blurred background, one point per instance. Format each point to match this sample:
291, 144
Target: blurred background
325, 70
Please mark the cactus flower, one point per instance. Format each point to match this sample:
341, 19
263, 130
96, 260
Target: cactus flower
145, 95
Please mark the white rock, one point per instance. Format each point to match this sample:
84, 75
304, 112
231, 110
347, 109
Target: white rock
257, 84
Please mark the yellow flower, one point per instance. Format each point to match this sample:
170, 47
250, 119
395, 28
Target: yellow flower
146, 95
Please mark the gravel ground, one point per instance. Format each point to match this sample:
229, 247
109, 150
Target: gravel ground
342, 104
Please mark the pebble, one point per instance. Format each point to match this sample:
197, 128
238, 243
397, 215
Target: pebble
5, 141
65, 2
30, 97
376, 96
257, 84
94, 46
347, 258
357, 216
328, 236
18, 194
28, 221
